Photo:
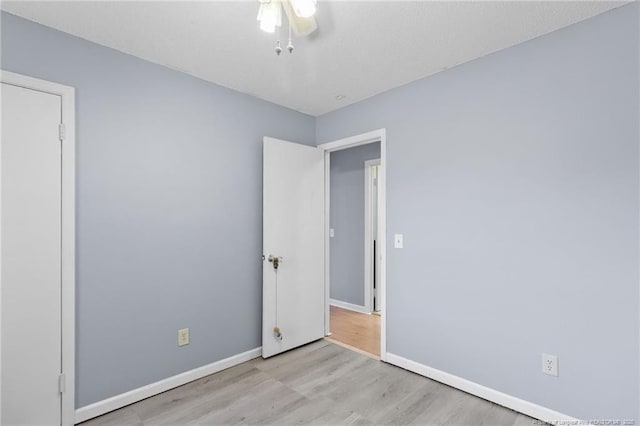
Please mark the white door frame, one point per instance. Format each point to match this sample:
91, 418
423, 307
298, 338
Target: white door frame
369, 272
67, 95
379, 135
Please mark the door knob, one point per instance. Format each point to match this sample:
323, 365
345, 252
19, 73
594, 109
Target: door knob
275, 260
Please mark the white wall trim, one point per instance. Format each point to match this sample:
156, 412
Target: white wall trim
349, 306
67, 96
327, 243
351, 141
529, 408
101, 407
379, 135
369, 272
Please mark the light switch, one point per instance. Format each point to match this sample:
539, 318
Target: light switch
332, 233
398, 240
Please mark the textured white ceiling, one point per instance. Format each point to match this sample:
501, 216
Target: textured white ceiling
360, 49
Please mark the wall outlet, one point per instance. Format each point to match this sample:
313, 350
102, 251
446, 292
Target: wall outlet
332, 232
183, 336
550, 364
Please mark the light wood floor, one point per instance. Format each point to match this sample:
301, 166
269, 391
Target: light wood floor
320, 384
360, 331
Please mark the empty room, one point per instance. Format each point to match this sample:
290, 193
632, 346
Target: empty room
319, 212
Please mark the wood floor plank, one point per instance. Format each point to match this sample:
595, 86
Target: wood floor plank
124, 416
417, 404
262, 404
289, 357
501, 415
318, 411
522, 420
214, 398
317, 359
318, 384
319, 381
222, 385
361, 331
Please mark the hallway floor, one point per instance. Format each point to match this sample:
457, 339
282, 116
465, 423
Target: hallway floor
355, 330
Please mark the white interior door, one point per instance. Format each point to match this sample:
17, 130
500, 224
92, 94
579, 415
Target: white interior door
293, 232
31, 257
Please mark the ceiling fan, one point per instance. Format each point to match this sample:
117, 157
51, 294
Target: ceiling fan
299, 15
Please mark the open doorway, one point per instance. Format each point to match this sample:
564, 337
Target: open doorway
355, 242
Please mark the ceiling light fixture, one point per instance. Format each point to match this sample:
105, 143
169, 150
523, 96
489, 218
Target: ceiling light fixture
299, 16
270, 16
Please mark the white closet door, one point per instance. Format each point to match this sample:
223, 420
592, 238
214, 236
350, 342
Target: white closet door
31, 257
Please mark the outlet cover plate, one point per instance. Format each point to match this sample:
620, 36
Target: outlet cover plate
550, 364
183, 336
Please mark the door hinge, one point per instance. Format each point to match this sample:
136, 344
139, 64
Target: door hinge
61, 383
62, 131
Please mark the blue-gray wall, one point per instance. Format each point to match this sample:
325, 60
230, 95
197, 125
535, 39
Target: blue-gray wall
347, 219
169, 208
514, 179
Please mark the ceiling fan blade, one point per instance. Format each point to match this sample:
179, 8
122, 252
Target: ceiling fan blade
300, 26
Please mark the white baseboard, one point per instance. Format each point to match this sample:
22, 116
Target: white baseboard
101, 407
530, 409
349, 306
